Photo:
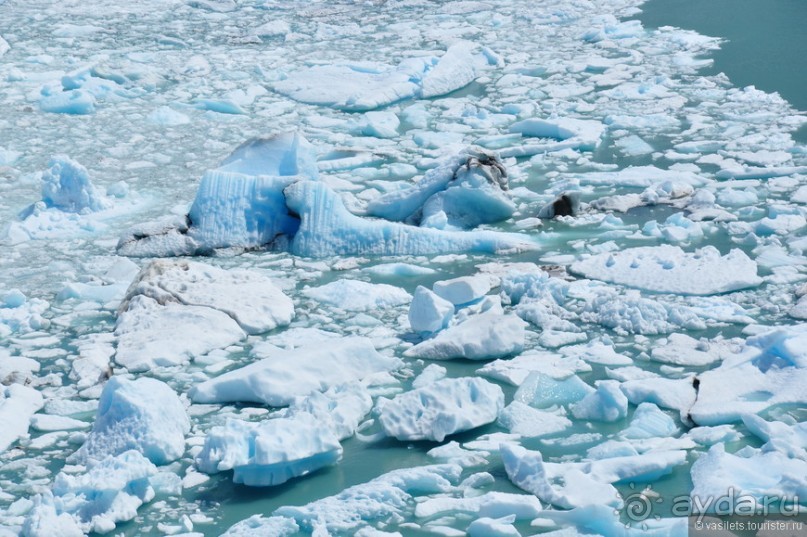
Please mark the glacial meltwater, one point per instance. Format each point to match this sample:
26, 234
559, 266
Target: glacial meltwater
400, 267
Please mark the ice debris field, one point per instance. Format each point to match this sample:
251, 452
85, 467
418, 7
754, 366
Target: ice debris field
389, 269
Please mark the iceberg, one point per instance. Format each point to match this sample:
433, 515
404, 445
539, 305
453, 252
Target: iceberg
464, 191
485, 336
585, 132
284, 375
258, 526
428, 312
525, 421
542, 390
446, 407
248, 297
462, 290
668, 269
18, 404
356, 295
144, 415
608, 403
66, 186
359, 87
327, 228
109, 492
270, 452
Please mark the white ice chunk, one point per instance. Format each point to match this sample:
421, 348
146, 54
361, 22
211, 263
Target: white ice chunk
428, 312
675, 394
454, 70
490, 504
258, 526
482, 337
516, 370
151, 335
144, 414
441, 409
356, 295
17, 404
682, 349
269, 452
755, 476
668, 269
493, 527
587, 131
523, 420
250, 298
284, 375
462, 290
110, 492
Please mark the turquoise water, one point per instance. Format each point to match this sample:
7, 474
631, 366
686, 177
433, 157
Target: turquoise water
765, 41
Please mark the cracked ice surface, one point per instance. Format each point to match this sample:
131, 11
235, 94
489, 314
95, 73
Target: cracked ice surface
653, 335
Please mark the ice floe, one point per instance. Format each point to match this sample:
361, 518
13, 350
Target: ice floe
441, 409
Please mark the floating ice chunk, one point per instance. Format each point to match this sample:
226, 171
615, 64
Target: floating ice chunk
462, 290
148, 333
588, 132
165, 237
771, 370
789, 439
490, 504
668, 269
49, 422
682, 349
675, 394
650, 422
441, 409
493, 527
221, 106
633, 146
248, 297
523, 420
355, 88
75, 102
752, 476
110, 492
259, 526
558, 484
381, 501
16, 369
541, 390
482, 337
341, 407
284, 375
168, 117
608, 403
516, 370
269, 452
597, 352
454, 70
66, 186
356, 295
379, 124
452, 451
4, 46
398, 270
241, 202
640, 176
605, 520
567, 204
428, 312
464, 191
17, 404
327, 228
7, 156
144, 414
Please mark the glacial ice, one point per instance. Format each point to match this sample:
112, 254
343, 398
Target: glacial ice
356, 295
482, 337
428, 312
144, 415
441, 409
668, 269
277, 379
462, 290
608, 403
111, 491
17, 404
66, 186
269, 452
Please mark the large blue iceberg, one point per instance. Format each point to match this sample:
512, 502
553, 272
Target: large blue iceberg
267, 195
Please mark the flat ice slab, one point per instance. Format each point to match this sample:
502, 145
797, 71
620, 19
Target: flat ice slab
441, 409
484, 337
284, 375
17, 404
668, 269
